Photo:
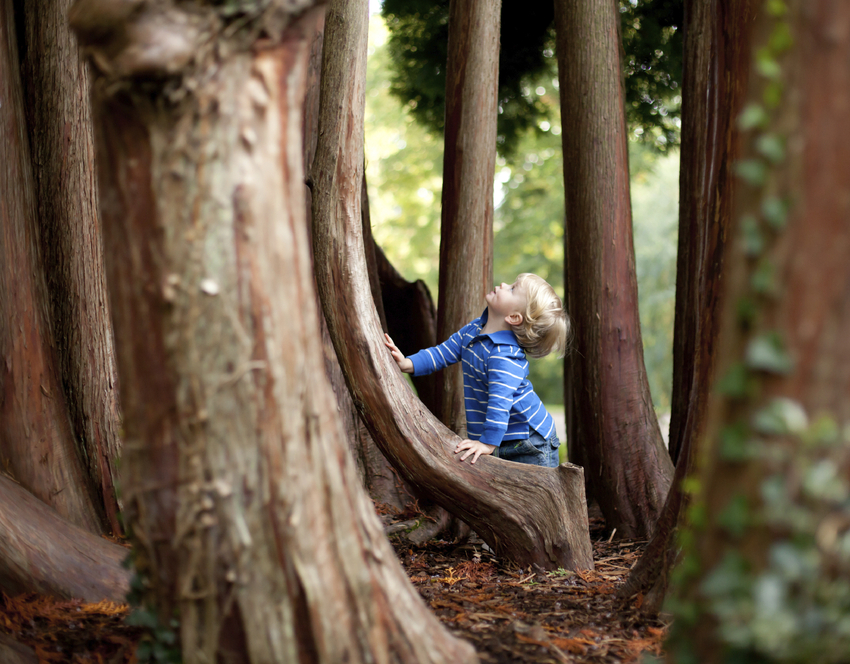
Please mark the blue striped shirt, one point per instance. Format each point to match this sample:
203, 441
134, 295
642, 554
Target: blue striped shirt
500, 402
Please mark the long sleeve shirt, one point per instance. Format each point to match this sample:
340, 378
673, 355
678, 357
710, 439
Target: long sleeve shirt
500, 401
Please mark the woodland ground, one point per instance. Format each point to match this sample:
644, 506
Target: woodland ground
509, 614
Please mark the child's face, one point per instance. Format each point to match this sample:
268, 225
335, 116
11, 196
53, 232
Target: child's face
506, 300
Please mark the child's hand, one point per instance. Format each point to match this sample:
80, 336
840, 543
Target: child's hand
403, 363
473, 447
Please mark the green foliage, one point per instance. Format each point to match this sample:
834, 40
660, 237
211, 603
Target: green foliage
404, 174
652, 65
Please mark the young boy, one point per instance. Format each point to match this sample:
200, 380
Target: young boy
504, 415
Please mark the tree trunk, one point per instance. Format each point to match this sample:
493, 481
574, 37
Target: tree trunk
528, 514
377, 475
248, 516
36, 438
773, 474
56, 90
12, 652
716, 69
42, 553
613, 432
469, 167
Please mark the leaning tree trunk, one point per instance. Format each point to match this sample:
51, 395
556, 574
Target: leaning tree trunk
530, 515
57, 101
247, 514
716, 68
775, 465
377, 475
469, 167
42, 553
613, 432
36, 437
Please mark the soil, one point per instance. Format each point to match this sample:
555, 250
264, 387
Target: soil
509, 614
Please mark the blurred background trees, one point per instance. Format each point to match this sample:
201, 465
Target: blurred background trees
404, 159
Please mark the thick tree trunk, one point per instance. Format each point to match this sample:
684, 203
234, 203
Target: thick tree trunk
528, 514
613, 432
377, 475
36, 437
469, 167
773, 432
42, 553
56, 90
716, 70
248, 516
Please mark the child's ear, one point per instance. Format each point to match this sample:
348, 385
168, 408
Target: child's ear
514, 319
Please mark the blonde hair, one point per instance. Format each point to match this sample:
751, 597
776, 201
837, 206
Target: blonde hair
545, 325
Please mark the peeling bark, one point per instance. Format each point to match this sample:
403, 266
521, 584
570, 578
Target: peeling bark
527, 514
612, 430
248, 515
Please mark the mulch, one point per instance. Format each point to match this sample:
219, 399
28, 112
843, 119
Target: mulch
508, 613
520, 615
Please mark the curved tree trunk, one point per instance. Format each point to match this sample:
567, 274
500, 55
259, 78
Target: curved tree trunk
716, 71
469, 168
613, 432
377, 475
530, 515
768, 469
57, 101
42, 553
248, 516
36, 437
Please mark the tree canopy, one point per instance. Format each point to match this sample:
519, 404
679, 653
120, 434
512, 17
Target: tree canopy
652, 47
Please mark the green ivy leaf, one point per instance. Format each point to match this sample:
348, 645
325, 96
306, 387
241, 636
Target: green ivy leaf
771, 147
766, 65
780, 417
767, 353
763, 279
775, 212
747, 310
777, 7
772, 95
753, 240
781, 39
753, 116
752, 171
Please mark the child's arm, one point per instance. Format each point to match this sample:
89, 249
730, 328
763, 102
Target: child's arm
473, 447
433, 359
403, 363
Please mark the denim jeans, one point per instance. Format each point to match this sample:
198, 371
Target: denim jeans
535, 450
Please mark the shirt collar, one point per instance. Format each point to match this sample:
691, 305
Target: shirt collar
500, 337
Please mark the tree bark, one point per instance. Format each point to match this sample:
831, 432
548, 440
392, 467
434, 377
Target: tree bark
36, 437
42, 553
528, 514
248, 516
56, 91
806, 312
716, 72
12, 652
613, 432
469, 167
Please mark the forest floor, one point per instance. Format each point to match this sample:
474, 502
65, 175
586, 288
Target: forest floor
514, 615
509, 614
